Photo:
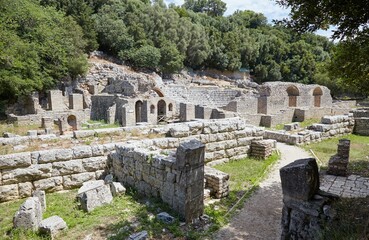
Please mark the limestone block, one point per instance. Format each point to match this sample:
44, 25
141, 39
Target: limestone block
94, 163
89, 185
32, 133
195, 128
76, 180
29, 174
63, 154
46, 156
40, 194
161, 143
100, 174
83, 133
8, 192
227, 126
52, 184
82, 152
52, 226
25, 189
210, 128
300, 179
117, 189
29, 214
95, 197
179, 131
139, 236
110, 147
67, 167
166, 218
97, 150
15, 160
191, 152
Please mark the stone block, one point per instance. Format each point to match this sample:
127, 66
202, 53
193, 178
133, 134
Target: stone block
52, 184
82, 152
139, 236
190, 153
63, 154
25, 189
67, 167
8, 192
16, 160
40, 194
87, 186
300, 179
117, 189
76, 180
46, 156
179, 131
32, 133
95, 197
27, 174
29, 214
166, 218
52, 226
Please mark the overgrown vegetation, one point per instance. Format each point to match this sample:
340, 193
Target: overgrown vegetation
359, 152
132, 213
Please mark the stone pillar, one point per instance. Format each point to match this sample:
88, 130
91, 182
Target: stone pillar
304, 211
189, 166
76, 101
338, 163
56, 102
47, 122
186, 112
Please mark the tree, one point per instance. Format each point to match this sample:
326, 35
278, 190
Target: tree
211, 7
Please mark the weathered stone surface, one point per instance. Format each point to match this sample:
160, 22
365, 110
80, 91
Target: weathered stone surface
95, 197
25, 189
52, 184
300, 179
46, 156
179, 131
94, 163
117, 189
67, 167
139, 236
15, 160
338, 163
97, 150
29, 214
76, 180
165, 217
82, 152
190, 152
40, 194
32, 173
109, 179
52, 225
63, 154
86, 186
8, 192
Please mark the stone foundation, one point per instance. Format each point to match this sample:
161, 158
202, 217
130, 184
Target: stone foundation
217, 182
338, 163
262, 148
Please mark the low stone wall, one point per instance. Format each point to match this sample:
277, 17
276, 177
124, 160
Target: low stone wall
217, 182
330, 126
177, 178
50, 170
361, 121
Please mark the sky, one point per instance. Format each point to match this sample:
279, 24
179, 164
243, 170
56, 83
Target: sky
268, 7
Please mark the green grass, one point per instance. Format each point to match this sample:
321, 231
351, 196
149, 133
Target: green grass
351, 222
132, 213
359, 151
304, 124
102, 124
18, 130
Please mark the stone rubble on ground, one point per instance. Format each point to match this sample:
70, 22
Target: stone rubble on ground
139, 236
166, 218
52, 225
94, 194
29, 214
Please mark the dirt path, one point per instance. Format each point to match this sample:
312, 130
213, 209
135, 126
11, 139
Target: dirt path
261, 214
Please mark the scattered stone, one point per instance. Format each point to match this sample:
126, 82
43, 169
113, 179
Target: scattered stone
32, 133
139, 236
165, 217
52, 225
96, 196
9, 135
291, 126
338, 163
117, 189
29, 214
109, 179
40, 194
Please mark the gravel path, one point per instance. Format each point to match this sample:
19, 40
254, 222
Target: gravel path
261, 214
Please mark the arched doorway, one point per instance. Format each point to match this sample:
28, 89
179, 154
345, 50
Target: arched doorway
317, 93
293, 93
162, 110
170, 107
138, 111
72, 121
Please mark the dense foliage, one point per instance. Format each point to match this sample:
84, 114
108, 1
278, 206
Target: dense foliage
350, 64
43, 41
37, 47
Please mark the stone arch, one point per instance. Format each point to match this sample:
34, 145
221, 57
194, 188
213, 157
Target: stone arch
170, 107
317, 93
162, 110
293, 92
72, 121
138, 111
158, 91
152, 109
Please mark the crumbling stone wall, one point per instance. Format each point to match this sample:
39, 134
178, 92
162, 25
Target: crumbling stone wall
361, 117
330, 126
50, 170
338, 163
305, 209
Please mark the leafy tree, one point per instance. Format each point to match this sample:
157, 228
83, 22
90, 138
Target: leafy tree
211, 7
146, 56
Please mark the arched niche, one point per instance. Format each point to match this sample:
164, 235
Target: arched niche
138, 111
292, 92
162, 110
317, 93
72, 121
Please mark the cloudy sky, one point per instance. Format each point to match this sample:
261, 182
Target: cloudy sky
268, 7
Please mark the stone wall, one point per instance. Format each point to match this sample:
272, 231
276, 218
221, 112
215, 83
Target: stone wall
361, 121
330, 126
50, 170
177, 178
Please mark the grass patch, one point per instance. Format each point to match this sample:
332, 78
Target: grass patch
304, 124
15, 129
352, 220
359, 151
99, 124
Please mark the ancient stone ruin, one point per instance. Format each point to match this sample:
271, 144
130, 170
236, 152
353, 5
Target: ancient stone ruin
338, 163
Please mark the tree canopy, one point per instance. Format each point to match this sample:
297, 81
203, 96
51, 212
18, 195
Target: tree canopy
350, 64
